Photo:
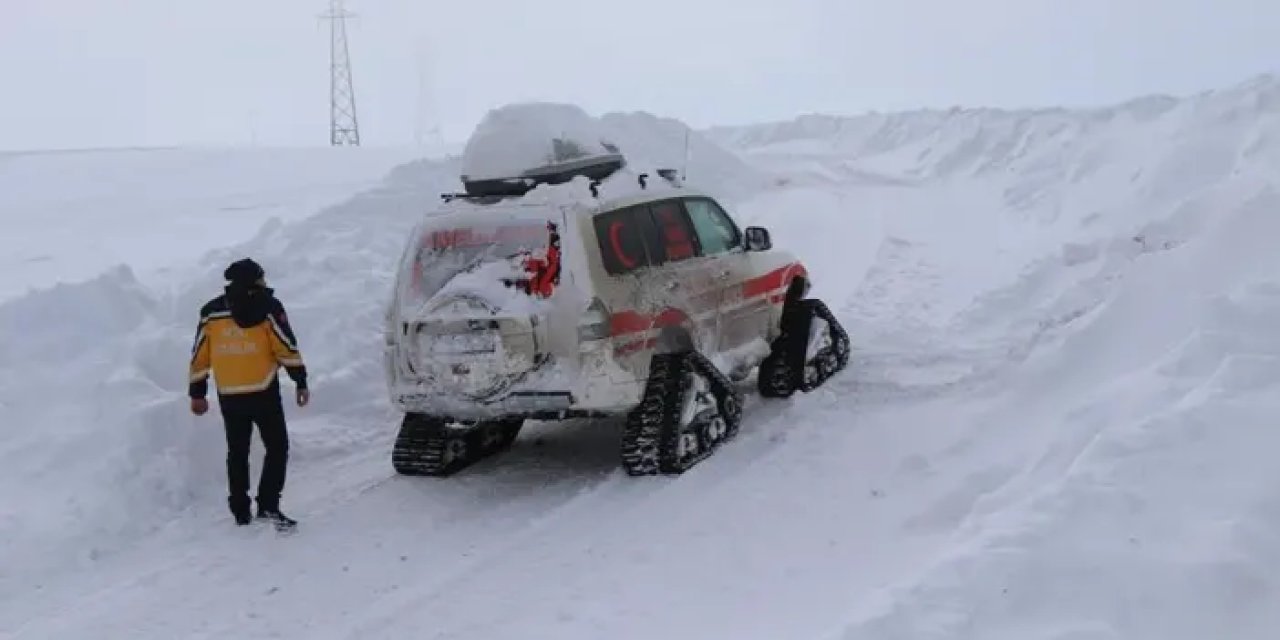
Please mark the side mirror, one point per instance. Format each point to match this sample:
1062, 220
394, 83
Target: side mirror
758, 239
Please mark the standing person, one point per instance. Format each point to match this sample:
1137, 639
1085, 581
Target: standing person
243, 338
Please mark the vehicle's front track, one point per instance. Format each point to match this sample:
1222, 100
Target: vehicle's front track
812, 347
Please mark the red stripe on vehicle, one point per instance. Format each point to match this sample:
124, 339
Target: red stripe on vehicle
638, 345
625, 322
772, 281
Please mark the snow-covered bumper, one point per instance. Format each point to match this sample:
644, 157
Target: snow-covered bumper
590, 384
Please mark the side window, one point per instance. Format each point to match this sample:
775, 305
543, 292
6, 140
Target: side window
674, 231
622, 236
716, 231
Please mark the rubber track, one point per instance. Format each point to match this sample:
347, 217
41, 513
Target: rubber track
776, 379
727, 395
643, 434
782, 371
837, 355
651, 436
421, 444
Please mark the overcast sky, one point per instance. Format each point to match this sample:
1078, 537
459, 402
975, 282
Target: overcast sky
84, 73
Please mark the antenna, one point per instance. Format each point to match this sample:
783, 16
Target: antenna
344, 127
418, 100
684, 171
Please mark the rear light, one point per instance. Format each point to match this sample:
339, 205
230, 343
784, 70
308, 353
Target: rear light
594, 323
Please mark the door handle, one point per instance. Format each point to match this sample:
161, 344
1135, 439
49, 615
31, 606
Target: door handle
723, 275
673, 285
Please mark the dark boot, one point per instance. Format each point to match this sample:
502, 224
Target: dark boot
272, 512
240, 509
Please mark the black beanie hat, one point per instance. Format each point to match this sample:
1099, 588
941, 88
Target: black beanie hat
243, 272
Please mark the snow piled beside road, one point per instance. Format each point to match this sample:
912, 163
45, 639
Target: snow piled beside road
1118, 480
1057, 422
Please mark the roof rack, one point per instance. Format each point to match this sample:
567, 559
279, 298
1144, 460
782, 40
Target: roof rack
495, 190
595, 168
494, 199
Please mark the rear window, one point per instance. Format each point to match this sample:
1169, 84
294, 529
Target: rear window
626, 240
646, 235
492, 251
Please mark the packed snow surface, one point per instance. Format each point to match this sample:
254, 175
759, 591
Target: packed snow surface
1059, 421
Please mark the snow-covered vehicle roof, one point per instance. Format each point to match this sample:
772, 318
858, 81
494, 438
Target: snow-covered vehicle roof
521, 145
533, 184
550, 155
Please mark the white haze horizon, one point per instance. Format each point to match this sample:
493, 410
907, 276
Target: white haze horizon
147, 73
443, 147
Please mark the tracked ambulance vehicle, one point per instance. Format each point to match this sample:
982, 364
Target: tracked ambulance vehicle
581, 287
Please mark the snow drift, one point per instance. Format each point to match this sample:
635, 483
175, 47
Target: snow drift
1097, 285
1056, 424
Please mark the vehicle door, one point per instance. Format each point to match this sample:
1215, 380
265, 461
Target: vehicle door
743, 312
628, 244
686, 278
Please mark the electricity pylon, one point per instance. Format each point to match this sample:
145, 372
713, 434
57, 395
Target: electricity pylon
344, 126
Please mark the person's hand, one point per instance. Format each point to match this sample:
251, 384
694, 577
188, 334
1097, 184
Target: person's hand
304, 396
199, 406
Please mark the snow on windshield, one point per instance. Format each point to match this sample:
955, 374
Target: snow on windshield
517, 138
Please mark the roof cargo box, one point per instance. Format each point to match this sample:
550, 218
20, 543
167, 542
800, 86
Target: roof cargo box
517, 147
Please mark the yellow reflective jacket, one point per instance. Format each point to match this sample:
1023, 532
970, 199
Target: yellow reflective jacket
243, 359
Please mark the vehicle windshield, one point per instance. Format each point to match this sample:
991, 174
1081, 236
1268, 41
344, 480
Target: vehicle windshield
491, 251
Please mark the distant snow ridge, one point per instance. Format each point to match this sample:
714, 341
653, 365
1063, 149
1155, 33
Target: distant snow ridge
158, 207
972, 142
649, 140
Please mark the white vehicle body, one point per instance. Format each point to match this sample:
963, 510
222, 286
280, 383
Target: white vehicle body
647, 266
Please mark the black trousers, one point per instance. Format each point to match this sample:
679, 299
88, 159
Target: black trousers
239, 414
